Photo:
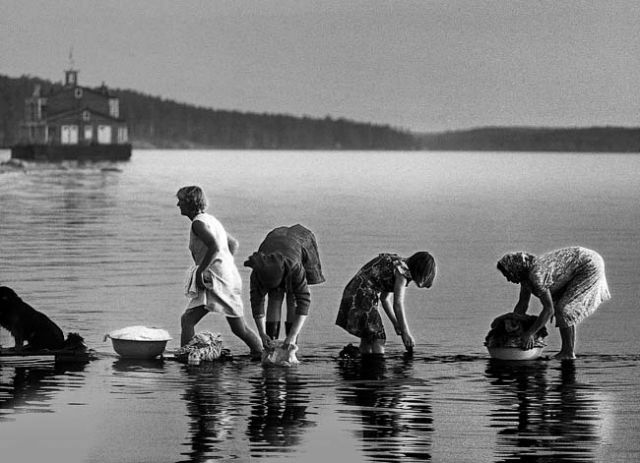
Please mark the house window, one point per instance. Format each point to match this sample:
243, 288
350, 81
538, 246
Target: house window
114, 108
51, 134
69, 135
86, 116
78, 92
123, 136
104, 134
88, 132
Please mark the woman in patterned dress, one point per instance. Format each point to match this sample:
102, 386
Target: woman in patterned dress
570, 283
375, 282
213, 283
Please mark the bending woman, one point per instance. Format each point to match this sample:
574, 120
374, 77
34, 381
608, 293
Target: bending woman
213, 284
570, 283
286, 263
375, 282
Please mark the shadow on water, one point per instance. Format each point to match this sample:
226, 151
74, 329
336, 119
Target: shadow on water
390, 406
541, 417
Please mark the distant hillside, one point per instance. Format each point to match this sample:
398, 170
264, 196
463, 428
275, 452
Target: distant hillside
593, 139
156, 122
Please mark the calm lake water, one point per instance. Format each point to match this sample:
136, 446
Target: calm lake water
102, 246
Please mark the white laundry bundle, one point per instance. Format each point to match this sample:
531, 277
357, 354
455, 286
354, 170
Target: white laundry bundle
139, 333
279, 354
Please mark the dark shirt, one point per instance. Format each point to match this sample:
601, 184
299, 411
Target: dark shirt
297, 245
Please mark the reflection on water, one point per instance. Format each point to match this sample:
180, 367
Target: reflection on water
539, 416
98, 250
211, 408
31, 389
279, 418
393, 408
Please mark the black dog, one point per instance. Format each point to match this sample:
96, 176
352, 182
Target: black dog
27, 324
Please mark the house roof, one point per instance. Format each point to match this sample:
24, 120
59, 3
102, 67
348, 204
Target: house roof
79, 111
103, 90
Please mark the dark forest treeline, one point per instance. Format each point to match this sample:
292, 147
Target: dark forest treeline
592, 139
160, 123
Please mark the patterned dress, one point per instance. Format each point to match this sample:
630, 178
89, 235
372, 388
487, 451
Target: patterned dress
358, 313
574, 276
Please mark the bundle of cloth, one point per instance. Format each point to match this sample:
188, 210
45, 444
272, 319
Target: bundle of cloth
279, 354
507, 329
203, 347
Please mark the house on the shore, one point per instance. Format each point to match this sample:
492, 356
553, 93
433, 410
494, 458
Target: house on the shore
74, 122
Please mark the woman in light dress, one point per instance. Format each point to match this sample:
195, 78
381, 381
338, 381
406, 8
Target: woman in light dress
213, 283
570, 283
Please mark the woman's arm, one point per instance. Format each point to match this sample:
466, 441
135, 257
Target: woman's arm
233, 244
202, 231
398, 309
385, 299
523, 302
547, 311
257, 295
262, 330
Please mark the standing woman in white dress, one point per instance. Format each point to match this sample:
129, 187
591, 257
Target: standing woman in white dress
213, 283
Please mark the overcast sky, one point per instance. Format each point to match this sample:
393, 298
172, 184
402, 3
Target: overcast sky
419, 65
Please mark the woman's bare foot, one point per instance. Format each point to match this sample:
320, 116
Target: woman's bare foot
565, 355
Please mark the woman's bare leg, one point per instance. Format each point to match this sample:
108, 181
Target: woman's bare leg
568, 336
239, 328
188, 322
378, 346
365, 347
274, 312
375, 347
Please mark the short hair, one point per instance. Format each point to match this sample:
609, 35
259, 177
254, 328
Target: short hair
502, 269
194, 197
422, 266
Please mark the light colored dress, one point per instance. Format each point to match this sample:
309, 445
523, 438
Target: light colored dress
576, 279
574, 276
223, 283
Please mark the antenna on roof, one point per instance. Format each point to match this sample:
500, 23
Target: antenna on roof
71, 74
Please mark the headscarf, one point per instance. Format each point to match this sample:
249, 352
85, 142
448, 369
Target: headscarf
269, 268
517, 264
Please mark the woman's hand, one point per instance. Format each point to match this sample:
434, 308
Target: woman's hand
526, 341
266, 340
407, 340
